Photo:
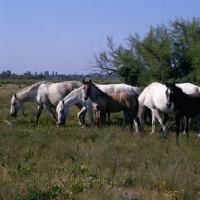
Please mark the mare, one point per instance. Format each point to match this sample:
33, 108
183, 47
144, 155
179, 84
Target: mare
76, 96
154, 97
113, 102
45, 95
187, 105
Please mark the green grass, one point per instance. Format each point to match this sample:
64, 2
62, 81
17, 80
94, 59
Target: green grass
69, 162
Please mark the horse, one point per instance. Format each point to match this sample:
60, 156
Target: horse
154, 97
117, 88
113, 102
187, 105
45, 94
76, 96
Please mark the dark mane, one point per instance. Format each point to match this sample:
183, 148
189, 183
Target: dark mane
178, 89
98, 88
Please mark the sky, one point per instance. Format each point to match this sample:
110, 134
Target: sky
61, 35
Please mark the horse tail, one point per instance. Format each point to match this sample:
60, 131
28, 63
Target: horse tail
136, 105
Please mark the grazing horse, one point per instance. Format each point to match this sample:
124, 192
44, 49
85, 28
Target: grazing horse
183, 105
45, 94
74, 97
113, 102
154, 97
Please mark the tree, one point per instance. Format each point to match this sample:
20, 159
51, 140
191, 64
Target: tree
164, 53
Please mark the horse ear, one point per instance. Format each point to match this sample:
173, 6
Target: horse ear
15, 96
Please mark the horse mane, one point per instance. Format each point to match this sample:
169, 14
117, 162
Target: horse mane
102, 92
178, 89
29, 88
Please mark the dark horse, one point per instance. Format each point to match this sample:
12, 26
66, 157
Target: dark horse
113, 103
187, 105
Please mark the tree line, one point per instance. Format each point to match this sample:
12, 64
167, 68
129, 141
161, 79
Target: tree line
166, 53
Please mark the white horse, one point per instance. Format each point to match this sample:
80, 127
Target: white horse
45, 94
74, 97
154, 97
116, 88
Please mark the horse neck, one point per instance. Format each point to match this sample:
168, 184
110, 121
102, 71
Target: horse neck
179, 99
23, 96
74, 97
96, 95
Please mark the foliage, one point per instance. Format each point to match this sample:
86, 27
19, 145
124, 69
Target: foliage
166, 52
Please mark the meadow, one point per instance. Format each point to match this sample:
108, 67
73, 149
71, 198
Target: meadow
50, 162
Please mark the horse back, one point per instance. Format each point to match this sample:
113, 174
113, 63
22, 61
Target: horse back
57, 91
121, 101
189, 104
194, 104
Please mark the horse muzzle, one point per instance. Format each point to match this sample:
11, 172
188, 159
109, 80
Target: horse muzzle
168, 104
13, 114
61, 123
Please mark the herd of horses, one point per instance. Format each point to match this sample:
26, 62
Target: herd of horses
183, 100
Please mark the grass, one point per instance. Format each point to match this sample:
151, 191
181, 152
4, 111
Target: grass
69, 162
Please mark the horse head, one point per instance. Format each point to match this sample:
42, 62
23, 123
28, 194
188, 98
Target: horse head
169, 93
15, 106
87, 88
62, 112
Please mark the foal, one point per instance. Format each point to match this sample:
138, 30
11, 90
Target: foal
113, 103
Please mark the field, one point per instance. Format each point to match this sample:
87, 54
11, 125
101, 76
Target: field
49, 162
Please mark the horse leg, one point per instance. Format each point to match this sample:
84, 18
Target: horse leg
177, 121
103, 117
197, 117
81, 115
158, 116
141, 118
51, 112
108, 114
98, 118
90, 114
153, 118
133, 117
186, 127
39, 111
124, 119
138, 123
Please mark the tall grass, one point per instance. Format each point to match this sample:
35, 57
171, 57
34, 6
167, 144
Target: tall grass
68, 162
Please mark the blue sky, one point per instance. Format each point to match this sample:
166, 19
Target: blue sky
61, 35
